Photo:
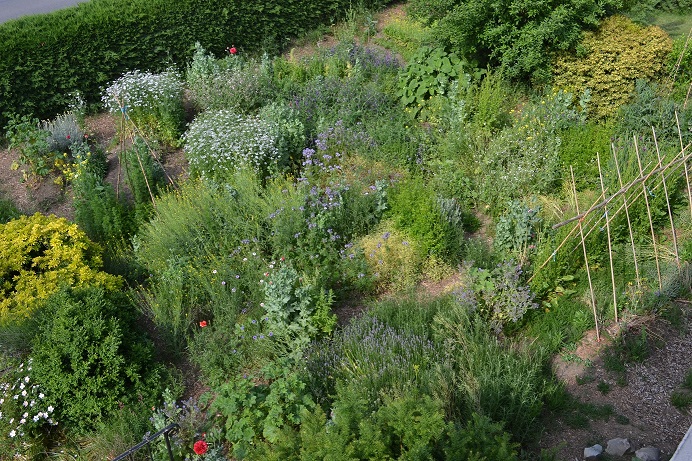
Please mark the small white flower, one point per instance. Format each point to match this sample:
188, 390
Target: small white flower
22, 421
50, 409
24, 393
40, 396
27, 379
13, 433
36, 417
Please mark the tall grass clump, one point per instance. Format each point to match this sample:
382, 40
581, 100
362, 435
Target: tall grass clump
503, 381
231, 83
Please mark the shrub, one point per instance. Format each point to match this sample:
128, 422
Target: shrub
8, 210
520, 39
219, 143
481, 439
415, 211
88, 356
496, 295
153, 102
610, 60
39, 255
394, 261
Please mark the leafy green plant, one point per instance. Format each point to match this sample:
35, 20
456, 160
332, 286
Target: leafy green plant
8, 210
256, 408
89, 355
480, 439
516, 230
25, 134
497, 295
430, 72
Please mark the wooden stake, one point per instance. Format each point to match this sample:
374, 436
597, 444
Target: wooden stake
629, 221
670, 211
610, 246
687, 174
586, 259
648, 211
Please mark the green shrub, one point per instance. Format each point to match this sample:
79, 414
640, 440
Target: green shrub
88, 357
610, 60
497, 295
39, 255
415, 211
578, 150
519, 38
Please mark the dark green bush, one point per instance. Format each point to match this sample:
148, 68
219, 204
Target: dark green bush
45, 58
415, 210
89, 356
521, 37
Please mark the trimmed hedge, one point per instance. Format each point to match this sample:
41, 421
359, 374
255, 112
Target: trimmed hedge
45, 58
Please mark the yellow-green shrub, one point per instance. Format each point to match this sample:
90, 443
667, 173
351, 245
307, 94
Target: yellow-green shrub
394, 260
610, 60
40, 254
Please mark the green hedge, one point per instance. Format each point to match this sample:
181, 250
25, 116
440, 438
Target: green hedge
45, 58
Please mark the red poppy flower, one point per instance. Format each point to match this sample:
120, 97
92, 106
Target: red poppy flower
232, 50
200, 447
203, 323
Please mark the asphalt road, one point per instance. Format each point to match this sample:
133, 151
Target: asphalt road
11, 9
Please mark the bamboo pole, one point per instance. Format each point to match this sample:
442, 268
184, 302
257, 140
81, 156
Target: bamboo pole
648, 212
610, 245
670, 211
629, 221
626, 188
586, 259
687, 174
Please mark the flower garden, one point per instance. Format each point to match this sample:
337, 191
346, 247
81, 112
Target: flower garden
351, 176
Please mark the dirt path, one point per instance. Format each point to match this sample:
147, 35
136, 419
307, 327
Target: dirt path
640, 397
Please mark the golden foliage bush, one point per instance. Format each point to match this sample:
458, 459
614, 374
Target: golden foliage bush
610, 60
394, 260
39, 255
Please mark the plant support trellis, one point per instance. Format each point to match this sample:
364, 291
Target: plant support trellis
650, 178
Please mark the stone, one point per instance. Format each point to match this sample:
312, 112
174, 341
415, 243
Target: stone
591, 453
618, 447
648, 454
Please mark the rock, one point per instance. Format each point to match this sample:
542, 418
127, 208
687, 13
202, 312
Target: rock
648, 454
591, 453
618, 447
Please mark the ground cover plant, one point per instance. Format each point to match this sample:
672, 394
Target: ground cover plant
353, 176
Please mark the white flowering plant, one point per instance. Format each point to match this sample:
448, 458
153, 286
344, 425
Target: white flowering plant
25, 414
153, 102
218, 143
